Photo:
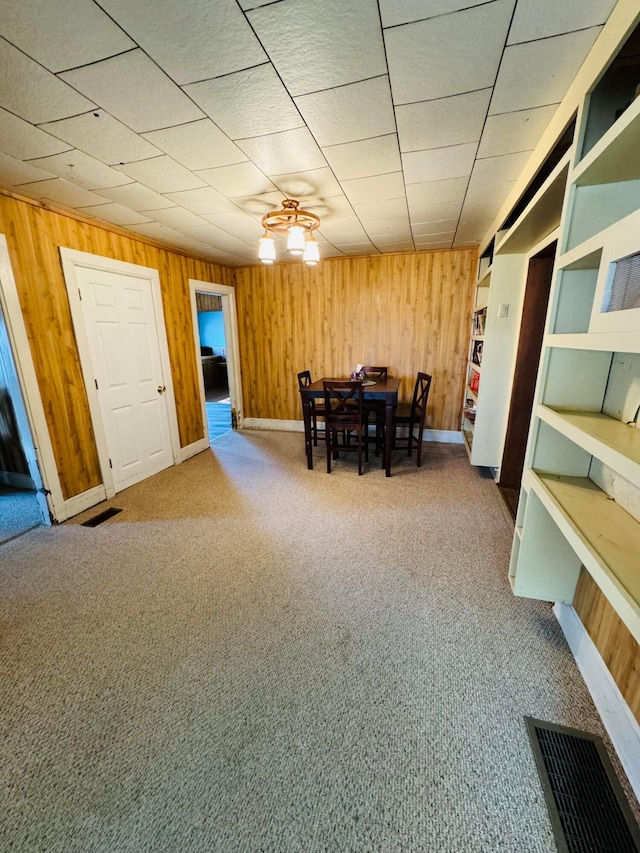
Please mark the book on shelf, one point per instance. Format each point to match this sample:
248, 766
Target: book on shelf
479, 321
476, 352
474, 381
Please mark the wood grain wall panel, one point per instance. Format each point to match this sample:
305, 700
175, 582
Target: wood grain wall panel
34, 236
618, 648
409, 311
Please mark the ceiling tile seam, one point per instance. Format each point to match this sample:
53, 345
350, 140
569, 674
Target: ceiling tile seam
304, 124
439, 148
395, 122
355, 141
441, 15
555, 35
484, 124
341, 85
96, 61
525, 109
508, 154
226, 74
443, 98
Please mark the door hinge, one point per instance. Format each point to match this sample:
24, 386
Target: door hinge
80, 294
96, 381
110, 464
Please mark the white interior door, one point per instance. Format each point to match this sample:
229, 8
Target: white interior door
122, 336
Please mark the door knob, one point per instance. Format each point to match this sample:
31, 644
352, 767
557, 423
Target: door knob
161, 389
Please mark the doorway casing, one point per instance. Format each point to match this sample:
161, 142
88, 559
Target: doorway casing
230, 318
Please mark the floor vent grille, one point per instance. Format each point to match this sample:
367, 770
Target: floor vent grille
588, 809
102, 516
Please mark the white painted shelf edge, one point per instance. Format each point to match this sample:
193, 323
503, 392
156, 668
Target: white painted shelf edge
606, 154
603, 535
611, 441
601, 341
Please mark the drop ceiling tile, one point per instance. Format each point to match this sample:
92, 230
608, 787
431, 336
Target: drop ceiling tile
539, 19
256, 205
437, 192
396, 245
508, 133
57, 39
349, 113
439, 164
197, 145
283, 153
133, 89
423, 65
248, 103
175, 217
156, 231
356, 249
13, 172
137, 197
162, 174
341, 42
33, 93
494, 170
377, 188
240, 224
437, 236
219, 238
20, 139
369, 212
81, 169
61, 191
191, 41
394, 12
428, 246
205, 200
539, 73
240, 179
471, 233
439, 226
363, 159
117, 214
445, 121
312, 187
104, 137
345, 229
191, 245
488, 191
424, 213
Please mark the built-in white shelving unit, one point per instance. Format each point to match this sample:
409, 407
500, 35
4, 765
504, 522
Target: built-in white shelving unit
580, 498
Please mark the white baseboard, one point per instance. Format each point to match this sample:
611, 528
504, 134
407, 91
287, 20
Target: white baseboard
17, 481
193, 449
616, 715
447, 436
85, 500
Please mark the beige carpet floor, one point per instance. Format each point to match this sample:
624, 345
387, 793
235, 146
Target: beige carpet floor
256, 657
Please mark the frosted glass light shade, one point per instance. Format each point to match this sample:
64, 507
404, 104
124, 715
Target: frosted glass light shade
295, 240
267, 250
311, 253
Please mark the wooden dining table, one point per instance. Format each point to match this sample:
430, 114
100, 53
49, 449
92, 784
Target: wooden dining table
383, 389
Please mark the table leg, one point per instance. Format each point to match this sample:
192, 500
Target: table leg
308, 442
388, 436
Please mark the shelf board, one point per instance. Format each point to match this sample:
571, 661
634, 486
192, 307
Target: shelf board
614, 157
477, 337
611, 441
604, 537
471, 393
468, 440
603, 341
484, 279
541, 215
476, 367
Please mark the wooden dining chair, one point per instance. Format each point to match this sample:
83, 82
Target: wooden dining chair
413, 418
344, 419
375, 409
316, 406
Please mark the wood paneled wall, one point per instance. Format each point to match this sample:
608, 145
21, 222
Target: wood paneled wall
618, 648
408, 311
34, 236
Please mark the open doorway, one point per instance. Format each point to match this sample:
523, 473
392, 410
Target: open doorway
213, 357
534, 312
216, 338
22, 505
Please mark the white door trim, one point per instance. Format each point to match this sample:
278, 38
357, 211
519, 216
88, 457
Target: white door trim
43, 469
230, 317
71, 260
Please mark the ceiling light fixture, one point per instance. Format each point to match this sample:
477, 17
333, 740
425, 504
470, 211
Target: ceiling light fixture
298, 225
